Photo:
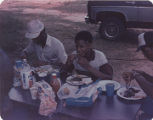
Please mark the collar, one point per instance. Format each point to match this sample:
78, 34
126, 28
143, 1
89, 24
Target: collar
47, 42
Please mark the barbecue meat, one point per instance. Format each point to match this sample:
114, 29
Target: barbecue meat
130, 92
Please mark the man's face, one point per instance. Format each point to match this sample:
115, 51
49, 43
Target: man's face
148, 52
83, 47
39, 40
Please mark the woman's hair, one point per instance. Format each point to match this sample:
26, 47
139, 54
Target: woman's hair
85, 36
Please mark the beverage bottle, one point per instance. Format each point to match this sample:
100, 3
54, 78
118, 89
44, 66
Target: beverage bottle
26, 66
27, 77
17, 77
55, 83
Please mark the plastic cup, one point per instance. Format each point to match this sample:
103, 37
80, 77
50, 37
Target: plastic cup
18, 64
110, 89
33, 91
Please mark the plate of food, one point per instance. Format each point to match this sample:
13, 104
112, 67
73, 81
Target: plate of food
104, 82
78, 79
132, 93
45, 68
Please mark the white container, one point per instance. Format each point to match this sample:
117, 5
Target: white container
17, 77
27, 79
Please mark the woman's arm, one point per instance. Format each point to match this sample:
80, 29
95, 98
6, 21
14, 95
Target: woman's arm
67, 68
105, 71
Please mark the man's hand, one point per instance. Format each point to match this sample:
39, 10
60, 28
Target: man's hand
39, 63
83, 62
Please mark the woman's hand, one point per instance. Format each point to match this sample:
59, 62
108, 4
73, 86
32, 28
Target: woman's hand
71, 58
127, 76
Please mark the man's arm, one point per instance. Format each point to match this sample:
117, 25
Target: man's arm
29, 49
148, 77
62, 54
145, 75
144, 84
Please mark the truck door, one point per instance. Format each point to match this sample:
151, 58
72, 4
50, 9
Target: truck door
131, 11
145, 11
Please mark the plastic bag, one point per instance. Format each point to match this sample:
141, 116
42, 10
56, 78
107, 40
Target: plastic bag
47, 97
47, 105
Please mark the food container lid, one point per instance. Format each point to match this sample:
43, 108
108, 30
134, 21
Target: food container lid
42, 74
53, 74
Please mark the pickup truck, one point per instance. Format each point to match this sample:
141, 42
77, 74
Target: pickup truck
115, 16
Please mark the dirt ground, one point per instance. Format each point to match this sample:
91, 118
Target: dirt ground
63, 19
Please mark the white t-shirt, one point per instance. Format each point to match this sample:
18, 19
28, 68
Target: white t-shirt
52, 52
99, 60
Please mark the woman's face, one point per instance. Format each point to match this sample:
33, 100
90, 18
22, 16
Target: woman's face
83, 47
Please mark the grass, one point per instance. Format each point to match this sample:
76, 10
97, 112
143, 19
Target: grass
11, 32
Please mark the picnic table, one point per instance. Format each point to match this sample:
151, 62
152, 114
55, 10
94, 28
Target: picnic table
104, 108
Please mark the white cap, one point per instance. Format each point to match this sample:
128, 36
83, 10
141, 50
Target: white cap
141, 41
34, 27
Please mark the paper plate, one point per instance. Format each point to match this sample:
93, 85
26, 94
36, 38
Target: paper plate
104, 82
70, 80
45, 68
138, 96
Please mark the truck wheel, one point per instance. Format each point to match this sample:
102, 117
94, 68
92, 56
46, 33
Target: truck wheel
111, 28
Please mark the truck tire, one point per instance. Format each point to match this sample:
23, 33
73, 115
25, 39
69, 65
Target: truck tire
111, 28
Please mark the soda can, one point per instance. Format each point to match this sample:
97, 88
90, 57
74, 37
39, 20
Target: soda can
110, 89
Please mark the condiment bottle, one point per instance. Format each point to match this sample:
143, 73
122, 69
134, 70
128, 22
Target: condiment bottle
55, 83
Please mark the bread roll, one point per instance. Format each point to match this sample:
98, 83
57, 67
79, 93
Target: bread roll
66, 91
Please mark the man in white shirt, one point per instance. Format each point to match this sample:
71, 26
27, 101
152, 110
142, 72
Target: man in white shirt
86, 60
48, 49
145, 81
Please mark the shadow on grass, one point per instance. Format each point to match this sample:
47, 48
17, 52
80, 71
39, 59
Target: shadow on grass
129, 36
77, 6
10, 31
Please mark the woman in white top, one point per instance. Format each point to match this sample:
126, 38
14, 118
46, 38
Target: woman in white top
86, 60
